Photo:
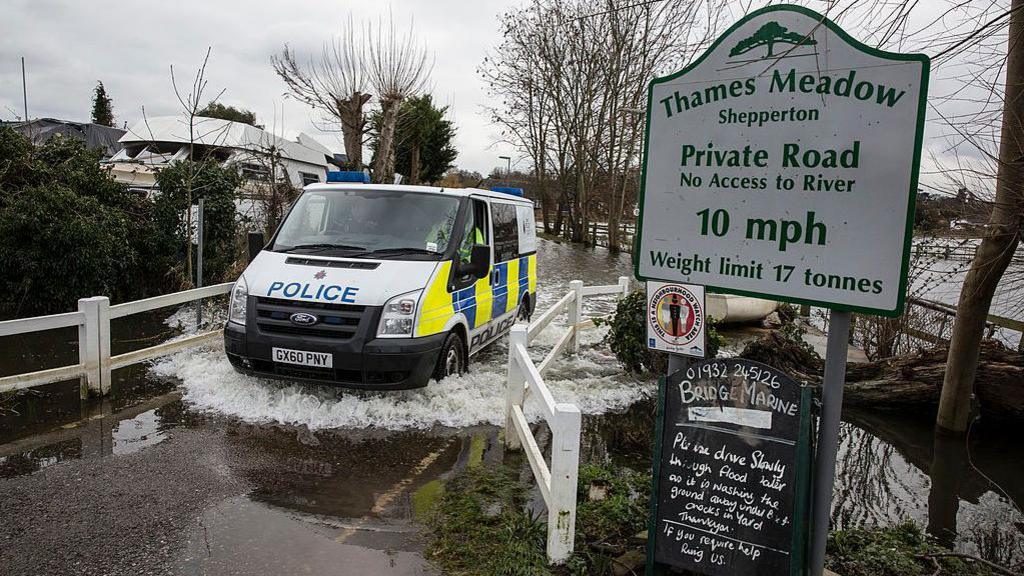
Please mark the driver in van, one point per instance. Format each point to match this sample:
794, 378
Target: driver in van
468, 241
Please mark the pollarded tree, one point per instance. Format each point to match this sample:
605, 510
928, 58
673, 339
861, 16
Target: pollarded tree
424, 140
397, 67
335, 83
102, 106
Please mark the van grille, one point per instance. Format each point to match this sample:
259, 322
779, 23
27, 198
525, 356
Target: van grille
332, 263
335, 321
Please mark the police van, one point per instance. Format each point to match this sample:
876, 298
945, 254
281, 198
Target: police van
383, 286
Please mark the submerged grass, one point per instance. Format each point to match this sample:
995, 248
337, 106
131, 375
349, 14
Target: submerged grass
900, 550
480, 526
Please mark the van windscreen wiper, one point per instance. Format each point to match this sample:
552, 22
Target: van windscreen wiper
402, 250
322, 246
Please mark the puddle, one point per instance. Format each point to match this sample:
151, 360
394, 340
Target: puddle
134, 434
239, 536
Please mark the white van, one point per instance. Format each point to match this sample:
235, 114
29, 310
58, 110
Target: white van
383, 286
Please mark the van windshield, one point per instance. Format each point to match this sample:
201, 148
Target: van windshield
369, 223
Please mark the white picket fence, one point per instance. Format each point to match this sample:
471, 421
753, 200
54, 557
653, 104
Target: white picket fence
93, 321
558, 483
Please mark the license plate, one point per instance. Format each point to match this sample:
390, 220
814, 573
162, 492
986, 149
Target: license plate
303, 358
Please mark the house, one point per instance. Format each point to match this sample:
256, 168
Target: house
155, 142
95, 136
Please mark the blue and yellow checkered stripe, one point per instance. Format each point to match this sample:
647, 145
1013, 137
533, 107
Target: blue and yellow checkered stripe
481, 302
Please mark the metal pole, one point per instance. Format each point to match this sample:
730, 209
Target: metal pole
677, 362
199, 263
24, 87
828, 434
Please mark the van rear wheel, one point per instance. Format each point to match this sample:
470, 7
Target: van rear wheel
452, 360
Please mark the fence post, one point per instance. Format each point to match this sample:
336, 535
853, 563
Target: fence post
94, 345
575, 314
623, 286
514, 392
565, 460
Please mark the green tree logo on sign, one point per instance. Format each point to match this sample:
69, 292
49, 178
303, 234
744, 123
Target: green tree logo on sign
768, 35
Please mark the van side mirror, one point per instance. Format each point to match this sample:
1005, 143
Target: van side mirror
479, 262
256, 244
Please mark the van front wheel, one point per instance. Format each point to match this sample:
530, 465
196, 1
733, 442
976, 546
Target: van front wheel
452, 360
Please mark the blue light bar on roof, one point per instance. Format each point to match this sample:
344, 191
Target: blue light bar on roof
348, 176
507, 190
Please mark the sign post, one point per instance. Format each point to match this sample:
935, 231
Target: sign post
783, 164
828, 434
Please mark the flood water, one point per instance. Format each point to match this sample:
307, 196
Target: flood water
307, 476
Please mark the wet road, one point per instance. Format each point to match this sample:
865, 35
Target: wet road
188, 468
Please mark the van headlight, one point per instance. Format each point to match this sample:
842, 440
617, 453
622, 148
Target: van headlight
236, 308
399, 315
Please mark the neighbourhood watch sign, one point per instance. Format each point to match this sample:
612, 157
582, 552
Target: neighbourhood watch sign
783, 163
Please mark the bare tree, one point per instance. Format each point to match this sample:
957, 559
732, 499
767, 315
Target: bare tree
997, 246
397, 67
191, 103
335, 84
570, 79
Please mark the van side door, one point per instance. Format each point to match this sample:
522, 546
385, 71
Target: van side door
471, 296
505, 273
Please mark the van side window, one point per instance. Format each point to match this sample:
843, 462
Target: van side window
506, 232
475, 231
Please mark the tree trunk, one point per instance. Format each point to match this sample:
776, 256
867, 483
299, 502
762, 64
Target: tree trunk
414, 164
384, 164
613, 224
352, 125
559, 219
997, 246
915, 380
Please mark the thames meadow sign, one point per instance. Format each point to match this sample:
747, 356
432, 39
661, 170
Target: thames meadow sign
783, 164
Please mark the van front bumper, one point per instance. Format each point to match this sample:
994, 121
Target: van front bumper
377, 364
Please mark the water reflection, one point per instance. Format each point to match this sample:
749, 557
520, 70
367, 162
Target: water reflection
892, 467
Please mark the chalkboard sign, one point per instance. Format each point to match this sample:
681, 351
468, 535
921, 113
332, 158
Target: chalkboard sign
731, 471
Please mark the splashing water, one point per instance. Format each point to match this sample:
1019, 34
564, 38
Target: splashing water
593, 381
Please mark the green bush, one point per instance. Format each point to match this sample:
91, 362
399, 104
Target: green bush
217, 187
620, 514
68, 231
628, 336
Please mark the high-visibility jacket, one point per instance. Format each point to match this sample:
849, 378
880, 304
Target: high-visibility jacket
466, 250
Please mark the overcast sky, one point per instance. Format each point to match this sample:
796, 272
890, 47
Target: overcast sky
69, 45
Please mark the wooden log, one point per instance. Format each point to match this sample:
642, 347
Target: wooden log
911, 381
